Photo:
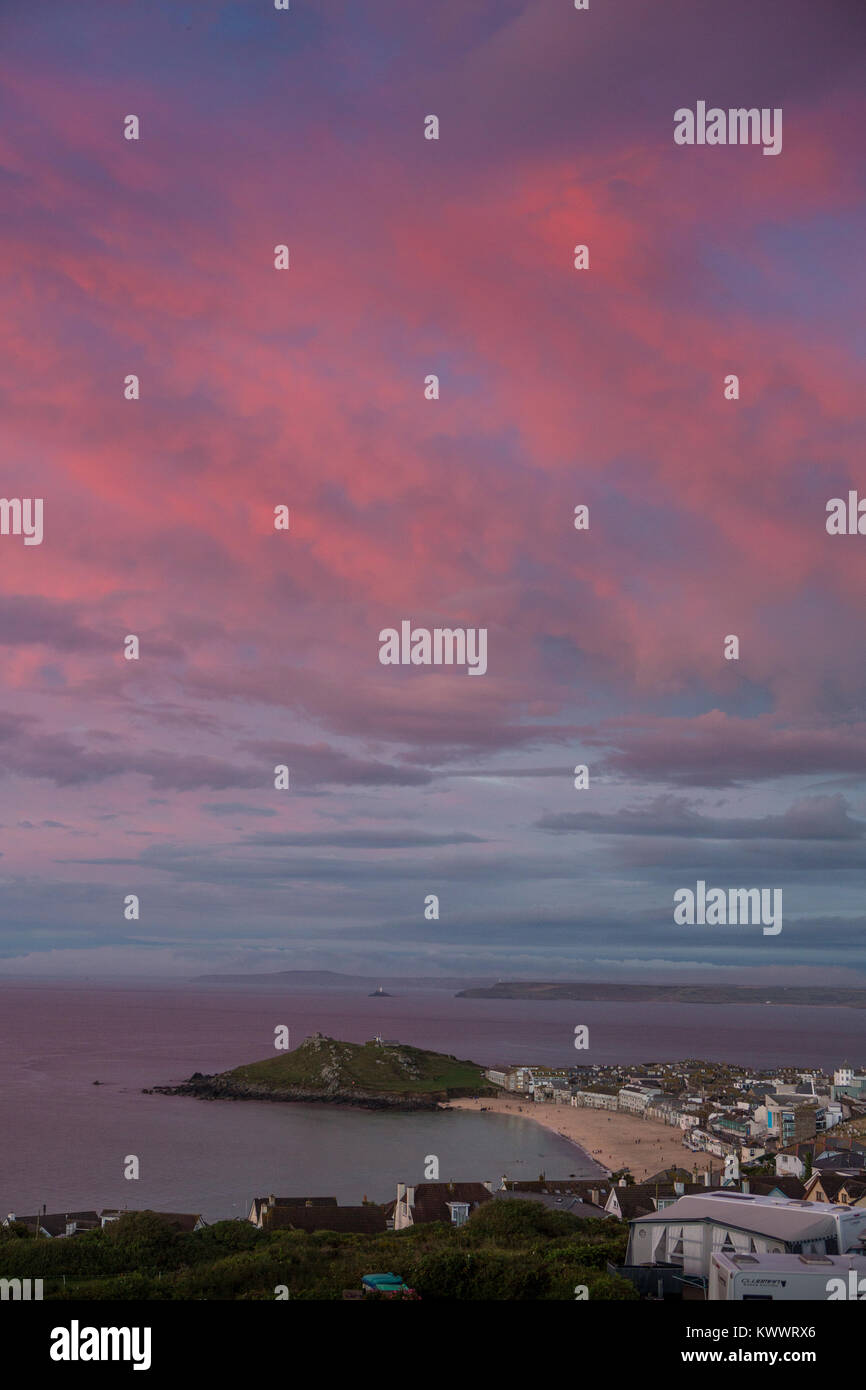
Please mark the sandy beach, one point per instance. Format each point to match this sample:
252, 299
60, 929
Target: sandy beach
613, 1138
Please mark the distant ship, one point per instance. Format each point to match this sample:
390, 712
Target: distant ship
379, 993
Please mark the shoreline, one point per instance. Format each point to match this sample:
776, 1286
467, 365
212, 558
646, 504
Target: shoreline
610, 1139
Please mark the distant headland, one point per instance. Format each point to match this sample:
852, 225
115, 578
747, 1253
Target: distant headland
588, 991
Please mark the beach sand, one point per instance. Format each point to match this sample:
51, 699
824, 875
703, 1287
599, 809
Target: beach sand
614, 1139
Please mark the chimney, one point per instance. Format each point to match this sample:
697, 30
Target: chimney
594, 1196
680, 1188
707, 1177
401, 1191
272, 1201
489, 1186
745, 1184
410, 1196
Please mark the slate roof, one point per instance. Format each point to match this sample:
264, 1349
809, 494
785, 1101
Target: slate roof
364, 1220
568, 1201
260, 1204
582, 1187
639, 1198
432, 1198
55, 1222
792, 1187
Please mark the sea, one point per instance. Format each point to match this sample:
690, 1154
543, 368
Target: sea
65, 1142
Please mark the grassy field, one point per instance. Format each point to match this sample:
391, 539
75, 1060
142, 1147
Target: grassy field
366, 1067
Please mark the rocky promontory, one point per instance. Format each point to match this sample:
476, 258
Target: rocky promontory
375, 1075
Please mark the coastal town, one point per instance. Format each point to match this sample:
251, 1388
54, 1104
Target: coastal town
712, 1110
764, 1198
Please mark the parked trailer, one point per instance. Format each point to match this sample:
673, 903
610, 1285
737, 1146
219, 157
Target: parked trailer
783, 1278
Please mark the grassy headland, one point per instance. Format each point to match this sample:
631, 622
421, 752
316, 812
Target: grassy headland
371, 1074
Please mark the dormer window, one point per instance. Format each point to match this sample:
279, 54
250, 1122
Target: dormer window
459, 1212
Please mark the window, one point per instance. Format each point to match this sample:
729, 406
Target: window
459, 1212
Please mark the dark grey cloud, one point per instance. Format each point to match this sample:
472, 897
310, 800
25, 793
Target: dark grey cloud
716, 751
25, 619
363, 839
27, 750
824, 818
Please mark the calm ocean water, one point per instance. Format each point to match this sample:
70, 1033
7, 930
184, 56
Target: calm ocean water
63, 1140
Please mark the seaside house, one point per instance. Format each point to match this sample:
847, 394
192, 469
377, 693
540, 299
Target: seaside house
792, 1188
834, 1159
560, 1091
821, 1156
794, 1160
702, 1141
844, 1189
626, 1202
262, 1204
181, 1221
593, 1191
452, 1202
848, 1084
788, 1122
637, 1097
752, 1152
664, 1109
571, 1202
549, 1085
56, 1224
497, 1075
596, 1100
584, 1198
519, 1079
368, 1219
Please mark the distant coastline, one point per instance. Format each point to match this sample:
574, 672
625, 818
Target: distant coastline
589, 991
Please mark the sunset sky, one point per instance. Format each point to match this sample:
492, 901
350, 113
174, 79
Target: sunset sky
306, 388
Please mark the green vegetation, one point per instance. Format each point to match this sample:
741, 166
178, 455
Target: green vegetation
506, 1250
326, 1064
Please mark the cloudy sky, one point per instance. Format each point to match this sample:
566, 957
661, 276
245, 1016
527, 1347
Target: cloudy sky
306, 388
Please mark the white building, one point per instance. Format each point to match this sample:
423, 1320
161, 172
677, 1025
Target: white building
692, 1229
595, 1100
636, 1097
